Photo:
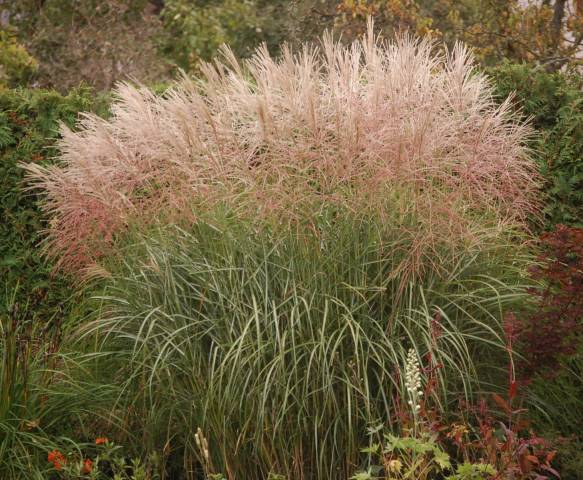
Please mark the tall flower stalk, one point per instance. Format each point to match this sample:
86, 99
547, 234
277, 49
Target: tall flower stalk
413, 385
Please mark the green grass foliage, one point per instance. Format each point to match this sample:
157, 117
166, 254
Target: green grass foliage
284, 346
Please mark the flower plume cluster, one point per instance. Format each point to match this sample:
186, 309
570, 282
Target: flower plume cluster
413, 380
371, 126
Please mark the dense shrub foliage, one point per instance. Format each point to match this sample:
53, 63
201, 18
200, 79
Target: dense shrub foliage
16, 65
29, 126
554, 103
196, 29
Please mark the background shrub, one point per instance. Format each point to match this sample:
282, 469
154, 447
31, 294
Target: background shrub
16, 64
194, 31
554, 103
91, 41
29, 126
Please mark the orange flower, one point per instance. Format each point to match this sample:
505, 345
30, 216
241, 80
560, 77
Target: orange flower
101, 440
57, 459
87, 466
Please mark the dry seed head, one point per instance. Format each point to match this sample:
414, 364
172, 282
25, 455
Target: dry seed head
199, 437
353, 126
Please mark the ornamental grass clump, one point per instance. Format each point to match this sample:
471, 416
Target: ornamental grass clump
283, 348
280, 233
373, 126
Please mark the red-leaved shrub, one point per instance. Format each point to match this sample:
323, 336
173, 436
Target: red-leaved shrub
387, 127
554, 331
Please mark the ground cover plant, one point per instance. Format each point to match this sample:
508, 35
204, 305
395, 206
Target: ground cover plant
266, 244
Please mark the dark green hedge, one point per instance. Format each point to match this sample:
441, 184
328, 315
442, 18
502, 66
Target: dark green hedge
554, 102
29, 122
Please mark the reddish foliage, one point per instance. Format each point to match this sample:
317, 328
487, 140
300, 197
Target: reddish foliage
554, 331
515, 450
497, 432
511, 446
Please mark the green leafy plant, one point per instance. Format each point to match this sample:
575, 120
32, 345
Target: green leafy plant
407, 458
17, 66
496, 445
196, 30
107, 461
418, 454
29, 123
472, 471
554, 103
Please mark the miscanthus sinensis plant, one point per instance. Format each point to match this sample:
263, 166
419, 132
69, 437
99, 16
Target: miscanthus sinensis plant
283, 347
372, 126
